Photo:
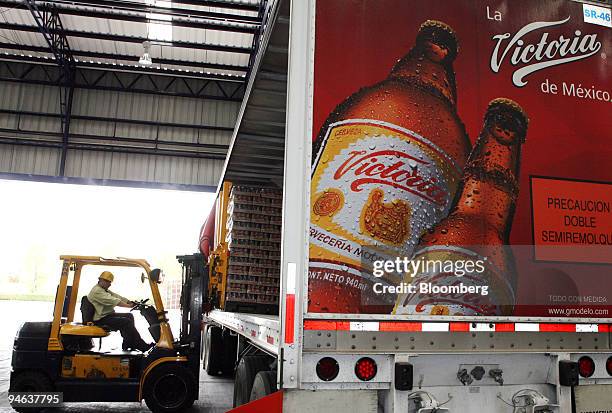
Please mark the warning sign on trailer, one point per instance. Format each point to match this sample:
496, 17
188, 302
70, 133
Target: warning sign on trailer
572, 220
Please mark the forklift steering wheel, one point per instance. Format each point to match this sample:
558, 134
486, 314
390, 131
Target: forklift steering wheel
139, 304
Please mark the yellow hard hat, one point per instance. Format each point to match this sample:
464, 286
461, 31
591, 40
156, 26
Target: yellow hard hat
107, 275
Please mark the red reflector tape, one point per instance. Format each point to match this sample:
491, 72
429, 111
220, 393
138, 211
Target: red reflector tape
399, 326
405, 326
459, 326
343, 325
504, 327
558, 328
320, 325
289, 318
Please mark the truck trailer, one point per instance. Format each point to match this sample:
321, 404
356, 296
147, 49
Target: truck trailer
444, 226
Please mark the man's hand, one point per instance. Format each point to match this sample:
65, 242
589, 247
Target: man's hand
129, 304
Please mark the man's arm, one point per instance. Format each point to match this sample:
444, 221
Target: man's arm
129, 304
110, 298
122, 298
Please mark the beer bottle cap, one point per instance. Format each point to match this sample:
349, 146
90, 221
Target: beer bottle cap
508, 105
441, 33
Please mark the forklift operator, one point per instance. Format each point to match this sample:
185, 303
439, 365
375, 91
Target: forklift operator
104, 302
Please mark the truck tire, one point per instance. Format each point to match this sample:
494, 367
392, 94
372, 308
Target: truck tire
30, 381
170, 388
263, 385
246, 371
230, 353
213, 351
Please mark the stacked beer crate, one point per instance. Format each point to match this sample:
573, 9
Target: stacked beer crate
253, 238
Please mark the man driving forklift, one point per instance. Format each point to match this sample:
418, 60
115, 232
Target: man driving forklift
104, 302
60, 356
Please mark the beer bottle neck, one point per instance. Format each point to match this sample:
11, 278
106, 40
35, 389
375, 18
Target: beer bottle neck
428, 66
491, 184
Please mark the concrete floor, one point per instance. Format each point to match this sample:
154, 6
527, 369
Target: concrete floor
215, 392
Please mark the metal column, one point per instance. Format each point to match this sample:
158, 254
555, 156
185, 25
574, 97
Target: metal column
50, 26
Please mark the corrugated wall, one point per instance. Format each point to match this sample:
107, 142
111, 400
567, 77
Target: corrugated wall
109, 165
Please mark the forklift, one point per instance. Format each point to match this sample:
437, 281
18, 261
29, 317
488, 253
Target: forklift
60, 356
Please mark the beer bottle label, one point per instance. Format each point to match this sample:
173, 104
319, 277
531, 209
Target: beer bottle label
442, 287
375, 188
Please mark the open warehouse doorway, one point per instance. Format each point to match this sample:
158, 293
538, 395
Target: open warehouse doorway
41, 221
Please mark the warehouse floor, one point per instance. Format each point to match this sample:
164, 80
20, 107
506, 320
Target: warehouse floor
215, 392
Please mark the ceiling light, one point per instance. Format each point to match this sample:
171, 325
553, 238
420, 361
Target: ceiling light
146, 57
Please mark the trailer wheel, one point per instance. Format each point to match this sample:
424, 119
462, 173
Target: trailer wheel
230, 349
246, 371
263, 385
213, 351
169, 388
30, 381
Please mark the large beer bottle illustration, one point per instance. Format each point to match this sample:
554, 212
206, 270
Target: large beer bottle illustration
386, 166
477, 229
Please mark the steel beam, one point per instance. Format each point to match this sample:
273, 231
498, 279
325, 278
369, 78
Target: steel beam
224, 4
261, 15
20, 113
148, 143
133, 68
210, 24
132, 39
112, 56
50, 26
117, 147
49, 75
115, 5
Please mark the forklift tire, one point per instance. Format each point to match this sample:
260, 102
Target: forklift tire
170, 388
30, 381
263, 385
246, 371
213, 351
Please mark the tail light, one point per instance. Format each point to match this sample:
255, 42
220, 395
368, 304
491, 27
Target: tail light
327, 369
609, 366
365, 369
586, 366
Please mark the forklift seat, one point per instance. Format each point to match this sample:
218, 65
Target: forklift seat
76, 329
87, 328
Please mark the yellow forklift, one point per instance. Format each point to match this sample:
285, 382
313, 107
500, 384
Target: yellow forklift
60, 356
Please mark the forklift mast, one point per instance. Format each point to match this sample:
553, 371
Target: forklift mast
194, 295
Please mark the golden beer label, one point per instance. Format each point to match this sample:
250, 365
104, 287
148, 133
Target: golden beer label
376, 185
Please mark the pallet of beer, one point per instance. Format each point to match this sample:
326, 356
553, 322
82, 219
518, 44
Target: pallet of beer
253, 238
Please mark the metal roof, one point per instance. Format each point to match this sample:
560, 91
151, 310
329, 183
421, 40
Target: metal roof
203, 49
198, 38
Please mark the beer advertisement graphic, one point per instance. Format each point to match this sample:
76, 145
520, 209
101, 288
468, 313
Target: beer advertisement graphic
461, 156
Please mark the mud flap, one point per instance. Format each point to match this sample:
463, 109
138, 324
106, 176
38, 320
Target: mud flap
269, 404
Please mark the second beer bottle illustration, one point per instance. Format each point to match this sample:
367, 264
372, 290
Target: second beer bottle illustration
386, 165
477, 229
